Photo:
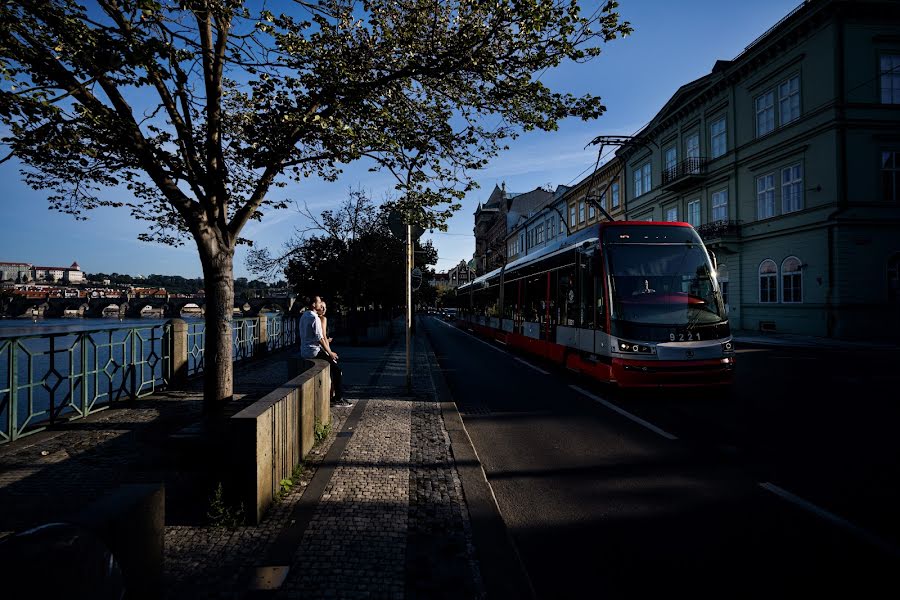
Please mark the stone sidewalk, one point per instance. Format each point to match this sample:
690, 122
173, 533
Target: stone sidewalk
391, 521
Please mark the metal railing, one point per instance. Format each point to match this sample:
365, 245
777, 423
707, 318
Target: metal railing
48, 377
691, 166
719, 229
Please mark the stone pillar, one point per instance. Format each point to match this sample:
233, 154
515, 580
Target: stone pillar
262, 345
175, 342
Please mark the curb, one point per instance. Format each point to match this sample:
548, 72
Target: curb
502, 571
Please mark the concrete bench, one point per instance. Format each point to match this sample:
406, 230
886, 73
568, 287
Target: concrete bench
274, 434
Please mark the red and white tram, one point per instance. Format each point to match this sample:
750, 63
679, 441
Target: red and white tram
632, 303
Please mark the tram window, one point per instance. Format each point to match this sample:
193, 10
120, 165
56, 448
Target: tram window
535, 293
566, 293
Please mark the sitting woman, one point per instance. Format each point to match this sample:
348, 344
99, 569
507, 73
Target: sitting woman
336, 387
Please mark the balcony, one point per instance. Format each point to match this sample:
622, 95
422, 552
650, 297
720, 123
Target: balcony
721, 235
685, 174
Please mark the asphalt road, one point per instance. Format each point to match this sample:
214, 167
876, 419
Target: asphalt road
636, 496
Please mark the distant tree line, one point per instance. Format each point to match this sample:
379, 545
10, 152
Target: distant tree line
176, 284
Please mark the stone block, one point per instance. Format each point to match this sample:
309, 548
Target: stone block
273, 435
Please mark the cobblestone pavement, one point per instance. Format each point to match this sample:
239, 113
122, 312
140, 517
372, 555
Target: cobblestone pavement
53, 473
392, 522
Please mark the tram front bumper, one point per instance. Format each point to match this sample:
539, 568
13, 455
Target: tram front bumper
657, 373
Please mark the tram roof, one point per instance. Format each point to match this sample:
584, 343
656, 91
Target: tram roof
588, 234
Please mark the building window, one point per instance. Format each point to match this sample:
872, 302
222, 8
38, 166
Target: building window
615, 194
592, 211
671, 158
789, 100
645, 175
572, 221
672, 214
791, 188
549, 226
720, 205
890, 176
521, 246
692, 151
890, 79
693, 212
791, 280
581, 211
893, 277
718, 142
540, 234
562, 225
638, 185
765, 113
768, 282
765, 196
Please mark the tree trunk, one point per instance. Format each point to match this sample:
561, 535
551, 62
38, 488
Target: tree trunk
218, 376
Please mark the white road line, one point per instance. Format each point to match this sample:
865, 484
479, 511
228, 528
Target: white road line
480, 341
528, 364
625, 413
832, 518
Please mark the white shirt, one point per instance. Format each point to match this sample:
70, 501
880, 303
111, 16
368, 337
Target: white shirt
310, 334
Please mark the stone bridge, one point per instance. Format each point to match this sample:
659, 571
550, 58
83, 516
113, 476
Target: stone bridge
129, 307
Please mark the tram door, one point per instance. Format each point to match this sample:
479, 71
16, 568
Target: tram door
591, 313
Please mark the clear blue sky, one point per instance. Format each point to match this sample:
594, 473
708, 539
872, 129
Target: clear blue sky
673, 43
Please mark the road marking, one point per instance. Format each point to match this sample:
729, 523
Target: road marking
625, 413
528, 364
832, 518
471, 335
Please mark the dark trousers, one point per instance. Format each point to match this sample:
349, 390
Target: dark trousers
336, 387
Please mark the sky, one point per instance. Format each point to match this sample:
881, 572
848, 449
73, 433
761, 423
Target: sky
673, 43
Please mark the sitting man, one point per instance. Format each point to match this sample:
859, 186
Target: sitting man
313, 343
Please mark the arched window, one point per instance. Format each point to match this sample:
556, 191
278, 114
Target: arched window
768, 282
791, 280
893, 275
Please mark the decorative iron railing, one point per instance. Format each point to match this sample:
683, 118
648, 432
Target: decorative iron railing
719, 229
47, 377
691, 166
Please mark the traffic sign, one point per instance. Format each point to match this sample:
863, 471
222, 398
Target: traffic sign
416, 278
398, 227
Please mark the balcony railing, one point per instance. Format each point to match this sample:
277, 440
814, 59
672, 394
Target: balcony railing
719, 229
685, 172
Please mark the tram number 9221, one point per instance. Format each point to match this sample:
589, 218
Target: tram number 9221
690, 336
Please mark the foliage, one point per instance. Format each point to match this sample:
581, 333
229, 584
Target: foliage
351, 258
322, 430
287, 484
189, 112
222, 514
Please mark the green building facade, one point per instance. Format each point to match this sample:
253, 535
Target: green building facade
787, 161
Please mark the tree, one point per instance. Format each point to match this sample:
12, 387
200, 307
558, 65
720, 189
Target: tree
349, 254
188, 112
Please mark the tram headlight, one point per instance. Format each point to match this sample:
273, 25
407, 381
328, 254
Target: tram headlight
634, 347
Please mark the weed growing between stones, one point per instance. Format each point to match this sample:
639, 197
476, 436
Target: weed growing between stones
321, 431
222, 514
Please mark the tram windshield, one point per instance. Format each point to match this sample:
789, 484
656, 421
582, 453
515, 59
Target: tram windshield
661, 276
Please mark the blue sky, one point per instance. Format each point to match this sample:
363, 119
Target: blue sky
673, 43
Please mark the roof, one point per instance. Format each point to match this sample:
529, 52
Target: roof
588, 234
16, 264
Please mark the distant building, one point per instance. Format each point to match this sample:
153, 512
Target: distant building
15, 272
495, 219
459, 275
71, 274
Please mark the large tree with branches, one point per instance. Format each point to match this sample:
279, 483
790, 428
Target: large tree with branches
188, 112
